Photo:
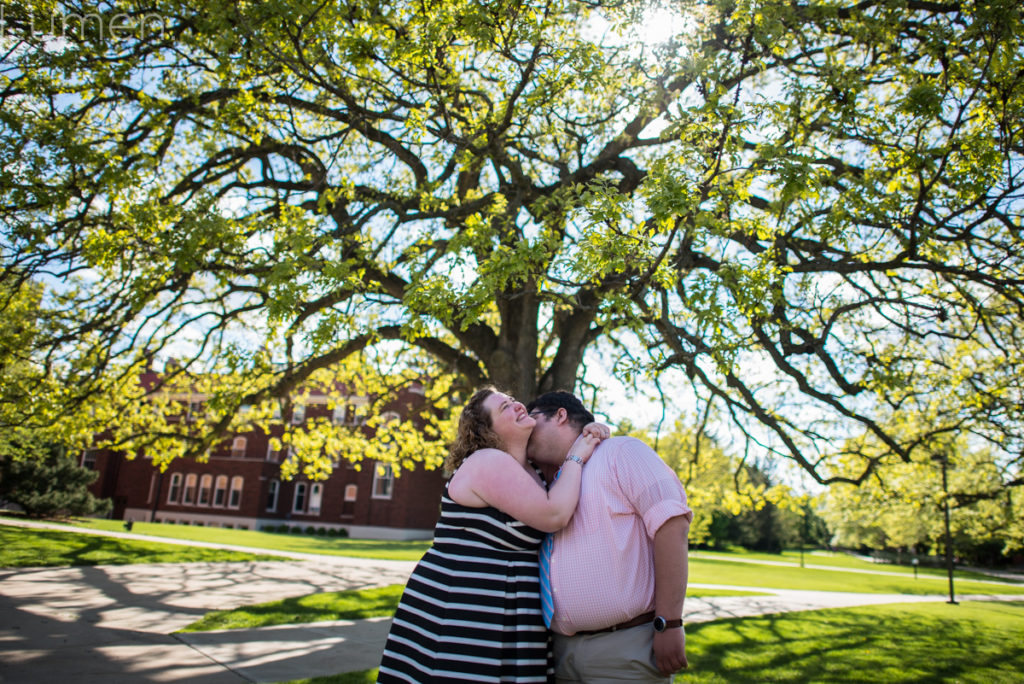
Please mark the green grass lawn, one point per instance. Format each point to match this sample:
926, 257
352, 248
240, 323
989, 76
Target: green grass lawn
930, 642
271, 541
832, 559
25, 547
721, 570
332, 605
970, 643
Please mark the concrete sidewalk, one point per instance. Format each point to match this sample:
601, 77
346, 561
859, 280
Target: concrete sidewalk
114, 623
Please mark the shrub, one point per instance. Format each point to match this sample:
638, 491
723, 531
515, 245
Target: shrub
45, 482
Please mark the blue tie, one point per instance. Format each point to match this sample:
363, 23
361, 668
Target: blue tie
547, 601
547, 606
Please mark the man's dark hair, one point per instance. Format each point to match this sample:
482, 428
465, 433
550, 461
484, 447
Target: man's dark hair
549, 403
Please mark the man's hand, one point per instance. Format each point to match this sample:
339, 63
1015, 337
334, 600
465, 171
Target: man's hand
670, 651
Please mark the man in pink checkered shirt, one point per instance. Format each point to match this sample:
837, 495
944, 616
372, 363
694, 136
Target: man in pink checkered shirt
618, 570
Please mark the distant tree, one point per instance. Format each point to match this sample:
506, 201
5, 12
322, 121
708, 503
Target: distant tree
47, 483
901, 506
800, 523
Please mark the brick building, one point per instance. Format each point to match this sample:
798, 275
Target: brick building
240, 486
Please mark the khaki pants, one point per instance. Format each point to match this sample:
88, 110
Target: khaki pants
607, 658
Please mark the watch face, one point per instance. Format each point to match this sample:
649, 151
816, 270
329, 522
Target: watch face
659, 624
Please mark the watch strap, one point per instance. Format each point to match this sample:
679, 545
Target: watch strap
661, 624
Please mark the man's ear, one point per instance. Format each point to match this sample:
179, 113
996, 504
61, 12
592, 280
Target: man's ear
561, 417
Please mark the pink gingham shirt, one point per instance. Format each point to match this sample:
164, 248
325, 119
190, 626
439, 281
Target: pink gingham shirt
602, 563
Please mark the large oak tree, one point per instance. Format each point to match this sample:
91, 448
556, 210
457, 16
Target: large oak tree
812, 209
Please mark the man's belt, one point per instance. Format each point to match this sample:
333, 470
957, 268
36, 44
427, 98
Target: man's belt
635, 622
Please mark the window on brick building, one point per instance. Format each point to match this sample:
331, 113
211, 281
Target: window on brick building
383, 481
175, 489
153, 480
235, 498
299, 499
348, 504
238, 447
276, 455
348, 413
205, 487
220, 490
298, 414
316, 495
273, 489
189, 495
89, 459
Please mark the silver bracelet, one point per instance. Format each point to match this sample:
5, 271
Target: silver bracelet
574, 457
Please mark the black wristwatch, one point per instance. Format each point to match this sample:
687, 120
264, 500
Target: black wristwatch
661, 624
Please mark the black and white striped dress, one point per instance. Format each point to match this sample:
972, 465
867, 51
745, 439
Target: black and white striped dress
471, 609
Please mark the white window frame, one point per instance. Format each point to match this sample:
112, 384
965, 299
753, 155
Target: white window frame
89, 458
174, 490
238, 447
188, 492
350, 412
299, 498
220, 491
316, 498
273, 493
279, 455
205, 495
383, 481
235, 495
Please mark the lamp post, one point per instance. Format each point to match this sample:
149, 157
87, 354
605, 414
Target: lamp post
943, 460
156, 495
802, 528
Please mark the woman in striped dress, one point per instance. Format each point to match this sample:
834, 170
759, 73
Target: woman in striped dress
471, 609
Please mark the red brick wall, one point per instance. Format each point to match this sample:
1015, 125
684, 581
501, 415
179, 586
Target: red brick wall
414, 503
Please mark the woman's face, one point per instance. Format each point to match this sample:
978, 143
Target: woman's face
509, 418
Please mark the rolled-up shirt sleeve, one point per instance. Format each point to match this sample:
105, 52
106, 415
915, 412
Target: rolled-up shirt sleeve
651, 487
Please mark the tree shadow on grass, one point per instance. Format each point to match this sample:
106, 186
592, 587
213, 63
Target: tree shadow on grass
920, 643
320, 607
23, 547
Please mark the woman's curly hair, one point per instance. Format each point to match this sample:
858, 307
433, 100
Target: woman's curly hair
475, 431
